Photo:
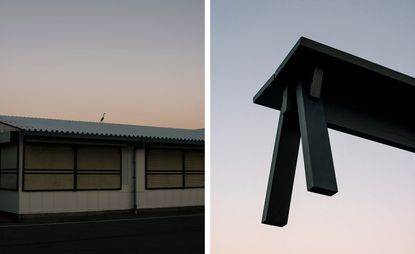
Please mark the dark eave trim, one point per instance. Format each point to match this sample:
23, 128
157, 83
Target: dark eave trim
111, 138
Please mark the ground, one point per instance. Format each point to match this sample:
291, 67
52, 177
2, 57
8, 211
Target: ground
129, 233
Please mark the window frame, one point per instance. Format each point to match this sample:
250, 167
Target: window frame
193, 172
182, 172
14, 140
103, 171
74, 172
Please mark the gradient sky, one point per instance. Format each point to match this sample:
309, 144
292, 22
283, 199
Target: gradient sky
374, 210
141, 62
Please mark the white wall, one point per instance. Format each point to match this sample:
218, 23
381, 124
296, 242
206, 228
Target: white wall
81, 201
163, 198
84, 201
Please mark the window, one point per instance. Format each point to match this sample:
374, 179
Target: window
164, 169
9, 165
194, 168
71, 167
49, 167
174, 168
98, 168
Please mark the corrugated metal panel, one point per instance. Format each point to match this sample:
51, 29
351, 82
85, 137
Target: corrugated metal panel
106, 129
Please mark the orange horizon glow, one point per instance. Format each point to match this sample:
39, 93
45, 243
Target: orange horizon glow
140, 62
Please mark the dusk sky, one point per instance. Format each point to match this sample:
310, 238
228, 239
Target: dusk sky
373, 212
141, 62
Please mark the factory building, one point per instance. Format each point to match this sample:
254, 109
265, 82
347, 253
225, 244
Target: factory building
61, 166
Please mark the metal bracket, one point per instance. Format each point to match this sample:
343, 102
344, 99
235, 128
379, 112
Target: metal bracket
317, 80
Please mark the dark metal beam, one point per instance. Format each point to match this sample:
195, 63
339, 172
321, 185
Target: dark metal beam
318, 161
284, 160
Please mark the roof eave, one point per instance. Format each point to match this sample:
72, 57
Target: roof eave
127, 139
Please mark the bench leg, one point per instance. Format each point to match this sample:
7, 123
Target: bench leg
284, 160
318, 161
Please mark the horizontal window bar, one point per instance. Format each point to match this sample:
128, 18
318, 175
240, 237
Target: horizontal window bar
48, 173
172, 171
101, 170
48, 169
97, 174
167, 173
80, 189
171, 188
29, 190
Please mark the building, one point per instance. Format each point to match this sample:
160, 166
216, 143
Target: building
59, 166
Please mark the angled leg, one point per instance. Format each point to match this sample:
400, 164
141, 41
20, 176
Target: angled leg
318, 161
284, 160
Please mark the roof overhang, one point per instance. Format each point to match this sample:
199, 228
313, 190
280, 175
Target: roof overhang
56, 128
123, 139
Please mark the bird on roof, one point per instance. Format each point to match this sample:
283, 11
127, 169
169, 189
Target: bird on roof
102, 118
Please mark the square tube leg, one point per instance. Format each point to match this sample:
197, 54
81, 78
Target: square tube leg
284, 160
318, 161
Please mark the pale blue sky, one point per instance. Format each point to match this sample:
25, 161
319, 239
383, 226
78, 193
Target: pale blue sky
141, 62
374, 209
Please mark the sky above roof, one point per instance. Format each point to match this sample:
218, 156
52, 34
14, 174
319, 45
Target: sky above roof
141, 62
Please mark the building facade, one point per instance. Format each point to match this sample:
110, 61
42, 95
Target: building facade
59, 166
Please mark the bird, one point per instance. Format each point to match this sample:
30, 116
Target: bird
102, 118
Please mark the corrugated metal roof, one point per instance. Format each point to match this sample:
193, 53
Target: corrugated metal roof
104, 129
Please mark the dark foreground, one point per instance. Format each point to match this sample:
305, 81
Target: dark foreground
128, 234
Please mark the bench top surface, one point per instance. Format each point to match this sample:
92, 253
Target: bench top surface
338, 67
